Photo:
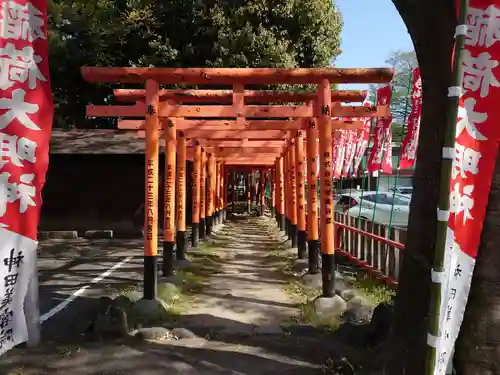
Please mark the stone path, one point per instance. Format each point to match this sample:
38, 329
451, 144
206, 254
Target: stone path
244, 302
247, 293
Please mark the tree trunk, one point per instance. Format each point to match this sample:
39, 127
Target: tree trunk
431, 25
478, 345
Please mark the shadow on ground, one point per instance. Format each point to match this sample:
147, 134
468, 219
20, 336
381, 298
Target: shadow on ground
209, 354
224, 346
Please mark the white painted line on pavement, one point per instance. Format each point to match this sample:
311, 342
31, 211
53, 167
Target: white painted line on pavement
82, 290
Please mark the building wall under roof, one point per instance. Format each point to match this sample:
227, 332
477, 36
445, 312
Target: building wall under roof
96, 191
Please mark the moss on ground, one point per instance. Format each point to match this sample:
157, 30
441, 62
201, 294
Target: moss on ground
17, 371
367, 286
203, 263
304, 298
300, 295
373, 289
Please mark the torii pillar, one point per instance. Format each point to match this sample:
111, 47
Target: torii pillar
253, 185
273, 192
216, 214
225, 187
170, 135
326, 173
312, 197
203, 192
223, 181
249, 192
210, 194
293, 195
152, 126
181, 197
300, 206
234, 196
262, 188
277, 192
230, 182
195, 226
286, 190
281, 195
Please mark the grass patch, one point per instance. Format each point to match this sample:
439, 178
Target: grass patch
213, 244
281, 255
67, 351
304, 298
373, 289
298, 293
203, 263
17, 371
126, 291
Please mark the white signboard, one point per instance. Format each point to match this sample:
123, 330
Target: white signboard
17, 258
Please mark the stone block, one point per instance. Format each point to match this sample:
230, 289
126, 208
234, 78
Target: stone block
330, 307
154, 333
98, 234
58, 234
183, 333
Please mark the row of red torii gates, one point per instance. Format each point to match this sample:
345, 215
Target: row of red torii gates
238, 130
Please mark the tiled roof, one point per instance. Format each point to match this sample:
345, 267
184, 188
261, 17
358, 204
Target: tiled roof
96, 141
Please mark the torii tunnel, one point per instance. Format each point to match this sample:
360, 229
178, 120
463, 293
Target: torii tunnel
281, 134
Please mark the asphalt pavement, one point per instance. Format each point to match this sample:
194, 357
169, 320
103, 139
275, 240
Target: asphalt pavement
73, 274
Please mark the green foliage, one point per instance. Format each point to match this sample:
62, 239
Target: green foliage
397, 132
373, 289
403, 63
173, 33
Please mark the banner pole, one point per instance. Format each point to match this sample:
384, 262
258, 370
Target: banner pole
438, 271
405, 128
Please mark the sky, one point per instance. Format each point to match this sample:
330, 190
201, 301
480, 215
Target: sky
372, 30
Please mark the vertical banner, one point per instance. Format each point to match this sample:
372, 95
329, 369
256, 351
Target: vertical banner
350, 150
410, 143
387, 160
476, 148
26, 112
377, 151
341, 149
335, 148
362, 143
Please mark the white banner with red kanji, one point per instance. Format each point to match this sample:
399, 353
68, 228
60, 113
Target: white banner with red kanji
410, 143
341, 138
26, 113
475, 153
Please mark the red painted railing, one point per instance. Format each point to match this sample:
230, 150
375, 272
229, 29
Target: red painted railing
370, 246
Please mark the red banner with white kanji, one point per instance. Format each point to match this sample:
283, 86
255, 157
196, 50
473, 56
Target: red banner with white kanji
363, 139
381, 130
362, 143
386, 166
410, 143
26, 112
350, 150
475, 153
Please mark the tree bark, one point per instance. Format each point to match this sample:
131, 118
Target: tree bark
431, 26
478, 345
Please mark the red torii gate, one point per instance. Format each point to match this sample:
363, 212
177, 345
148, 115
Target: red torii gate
161, 110
222, 129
